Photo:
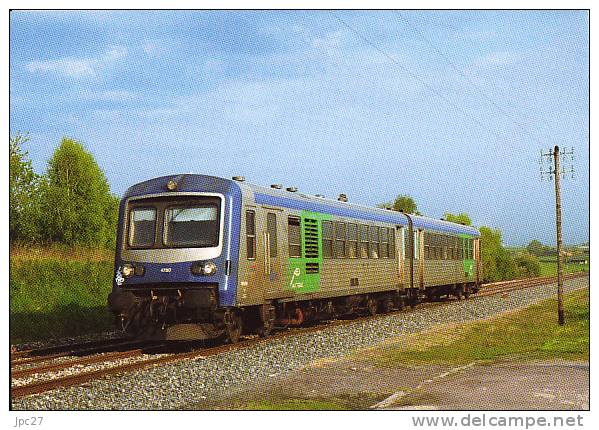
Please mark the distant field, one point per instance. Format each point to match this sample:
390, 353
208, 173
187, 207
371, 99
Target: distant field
58, 292
549, 267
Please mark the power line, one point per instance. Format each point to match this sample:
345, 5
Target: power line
412, 75
467, 78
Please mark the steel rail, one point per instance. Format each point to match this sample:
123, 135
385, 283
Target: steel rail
96, 358
67, 347
73, 352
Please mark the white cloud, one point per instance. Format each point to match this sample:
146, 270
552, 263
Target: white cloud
475, 35
74, 68
153, 49
499, 58
331, 40
78, 67
109, 95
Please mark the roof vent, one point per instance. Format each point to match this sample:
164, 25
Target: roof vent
276, 186
291, 189
320, 195
342, 197
238, 178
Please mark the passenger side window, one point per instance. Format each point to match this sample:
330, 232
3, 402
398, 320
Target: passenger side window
327, 239
340, 240
250, 232
374, 241
364, 241
392, 242
271, 227
352, 240
384, 242
295, 237
445, 243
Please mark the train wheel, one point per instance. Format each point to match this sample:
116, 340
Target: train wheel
413, 298
386, 305
233, 327
467, 292
371, 305
400, 302
459, 292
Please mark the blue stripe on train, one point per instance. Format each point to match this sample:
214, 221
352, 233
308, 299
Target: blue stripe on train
353, 212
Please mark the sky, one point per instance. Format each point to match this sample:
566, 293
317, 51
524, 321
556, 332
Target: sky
450, 107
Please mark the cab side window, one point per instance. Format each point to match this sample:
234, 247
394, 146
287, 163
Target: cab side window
250, 232
271, 227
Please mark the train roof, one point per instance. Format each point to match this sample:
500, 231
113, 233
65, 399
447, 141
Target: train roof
299, 201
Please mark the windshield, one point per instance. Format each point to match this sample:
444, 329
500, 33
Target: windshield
142, 227
191, 226
174, 222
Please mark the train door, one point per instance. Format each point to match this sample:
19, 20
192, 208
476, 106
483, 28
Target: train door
273, 276
477, 259
419, 255
399, 246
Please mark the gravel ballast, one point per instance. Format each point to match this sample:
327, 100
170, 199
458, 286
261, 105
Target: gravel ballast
176, 385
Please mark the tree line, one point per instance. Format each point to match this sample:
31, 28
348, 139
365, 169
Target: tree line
70, 204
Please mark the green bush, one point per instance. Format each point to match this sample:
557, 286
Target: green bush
498, 264
52, 298
528, 265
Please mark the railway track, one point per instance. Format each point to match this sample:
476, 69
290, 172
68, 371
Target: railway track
55, 361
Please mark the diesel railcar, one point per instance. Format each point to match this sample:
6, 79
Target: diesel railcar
201, 257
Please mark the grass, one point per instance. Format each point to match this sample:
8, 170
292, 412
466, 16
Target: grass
53, 296
528, 334
20, 253
295, 405
549, 267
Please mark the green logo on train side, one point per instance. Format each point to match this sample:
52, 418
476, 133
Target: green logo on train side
303, 274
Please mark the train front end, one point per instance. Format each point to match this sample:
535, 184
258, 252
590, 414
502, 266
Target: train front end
175, 273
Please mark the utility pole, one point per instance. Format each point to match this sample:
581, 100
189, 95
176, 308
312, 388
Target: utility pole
556, 172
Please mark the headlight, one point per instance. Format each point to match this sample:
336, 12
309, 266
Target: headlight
199, 268
128, 270
209, 268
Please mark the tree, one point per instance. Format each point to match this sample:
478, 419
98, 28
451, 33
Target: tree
402, 203
23, 210
76, 200
498, 264
537, 248
461, 218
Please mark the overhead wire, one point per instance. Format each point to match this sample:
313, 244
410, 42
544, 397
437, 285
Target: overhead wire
414, 75
467, 78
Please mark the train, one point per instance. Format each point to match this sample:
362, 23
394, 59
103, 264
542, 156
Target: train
200, 257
